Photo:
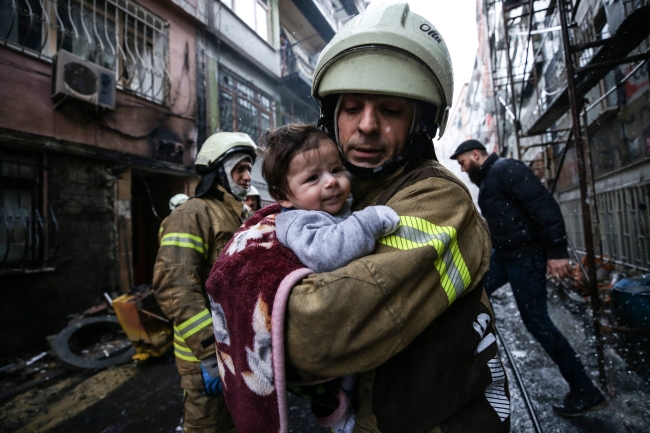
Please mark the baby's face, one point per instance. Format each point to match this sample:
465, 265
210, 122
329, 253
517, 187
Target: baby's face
317, 180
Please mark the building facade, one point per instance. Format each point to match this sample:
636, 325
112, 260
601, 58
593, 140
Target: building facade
105, 106
86, 175
522, 104
257, 61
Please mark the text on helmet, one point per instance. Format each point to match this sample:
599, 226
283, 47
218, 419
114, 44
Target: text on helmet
434, 34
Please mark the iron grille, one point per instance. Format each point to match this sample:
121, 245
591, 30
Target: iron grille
243, 108
28, 235
624, 224
117, 34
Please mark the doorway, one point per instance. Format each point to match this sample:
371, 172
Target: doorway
150, 194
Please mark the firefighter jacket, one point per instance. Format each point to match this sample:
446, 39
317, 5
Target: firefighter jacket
191, 239
412, 318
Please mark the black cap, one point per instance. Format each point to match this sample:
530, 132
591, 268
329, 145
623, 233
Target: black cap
466, 146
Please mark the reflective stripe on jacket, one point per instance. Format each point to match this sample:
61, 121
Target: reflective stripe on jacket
191, 239
412, 317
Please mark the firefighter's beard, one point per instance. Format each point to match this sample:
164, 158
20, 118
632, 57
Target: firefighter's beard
474, 173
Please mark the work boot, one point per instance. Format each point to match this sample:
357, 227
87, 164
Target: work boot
575, 404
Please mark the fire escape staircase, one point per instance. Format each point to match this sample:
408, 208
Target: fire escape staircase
631, 32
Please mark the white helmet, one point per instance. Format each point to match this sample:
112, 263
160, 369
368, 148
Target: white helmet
212, 154
177, 200
218, 145
388, 50
253, 191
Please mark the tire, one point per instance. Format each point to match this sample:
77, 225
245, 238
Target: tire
80, 345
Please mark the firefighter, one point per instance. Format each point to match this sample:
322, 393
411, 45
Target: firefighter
174, 202
253, 200
412, 318
191, 240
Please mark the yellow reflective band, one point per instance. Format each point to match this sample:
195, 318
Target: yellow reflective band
194, 324
416, 232
185, 240
184, 353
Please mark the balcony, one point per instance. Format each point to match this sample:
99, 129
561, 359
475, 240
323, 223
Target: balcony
297, 68
319, 14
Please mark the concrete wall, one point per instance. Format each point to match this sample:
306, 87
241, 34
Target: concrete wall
234, 32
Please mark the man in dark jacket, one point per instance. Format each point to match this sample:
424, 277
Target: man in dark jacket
528, 240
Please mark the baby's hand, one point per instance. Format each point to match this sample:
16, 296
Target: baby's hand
389, 219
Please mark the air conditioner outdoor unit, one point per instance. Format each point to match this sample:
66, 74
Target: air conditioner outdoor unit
78, 81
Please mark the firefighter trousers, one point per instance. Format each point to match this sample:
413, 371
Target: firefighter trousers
203, 413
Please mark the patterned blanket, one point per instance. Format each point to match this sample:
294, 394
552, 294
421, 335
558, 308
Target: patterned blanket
248, 289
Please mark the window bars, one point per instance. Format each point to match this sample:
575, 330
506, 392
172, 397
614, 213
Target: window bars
119, 35
624, 224
243, 108
28, 236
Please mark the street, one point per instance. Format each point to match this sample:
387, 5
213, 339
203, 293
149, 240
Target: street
145, 397
142, 143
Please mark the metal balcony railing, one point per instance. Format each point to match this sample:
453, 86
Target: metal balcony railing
295, 58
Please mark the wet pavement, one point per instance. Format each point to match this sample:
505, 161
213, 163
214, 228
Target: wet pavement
628, 410
145, 397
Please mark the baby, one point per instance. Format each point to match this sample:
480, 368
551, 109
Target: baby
305, 174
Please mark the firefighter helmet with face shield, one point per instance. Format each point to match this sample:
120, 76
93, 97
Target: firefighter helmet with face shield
388, 50
217, 148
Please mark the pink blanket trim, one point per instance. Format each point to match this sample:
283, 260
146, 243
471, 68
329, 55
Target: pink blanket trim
277, 341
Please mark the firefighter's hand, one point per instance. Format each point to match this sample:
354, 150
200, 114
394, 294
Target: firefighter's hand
558, 268
211, 381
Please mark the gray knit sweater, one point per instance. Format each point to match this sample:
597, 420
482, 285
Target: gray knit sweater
325, 242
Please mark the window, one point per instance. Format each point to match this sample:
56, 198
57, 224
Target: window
243, 108
23, 227
296, 111
20, 24
624, 216
116, 34
255, 13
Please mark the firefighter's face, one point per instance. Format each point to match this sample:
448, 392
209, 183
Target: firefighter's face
373, 128
241, 173
317, 180
251, 202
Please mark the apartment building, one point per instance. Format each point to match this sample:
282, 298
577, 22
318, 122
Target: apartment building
257, 62
105, 106
98, 128
520, 100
